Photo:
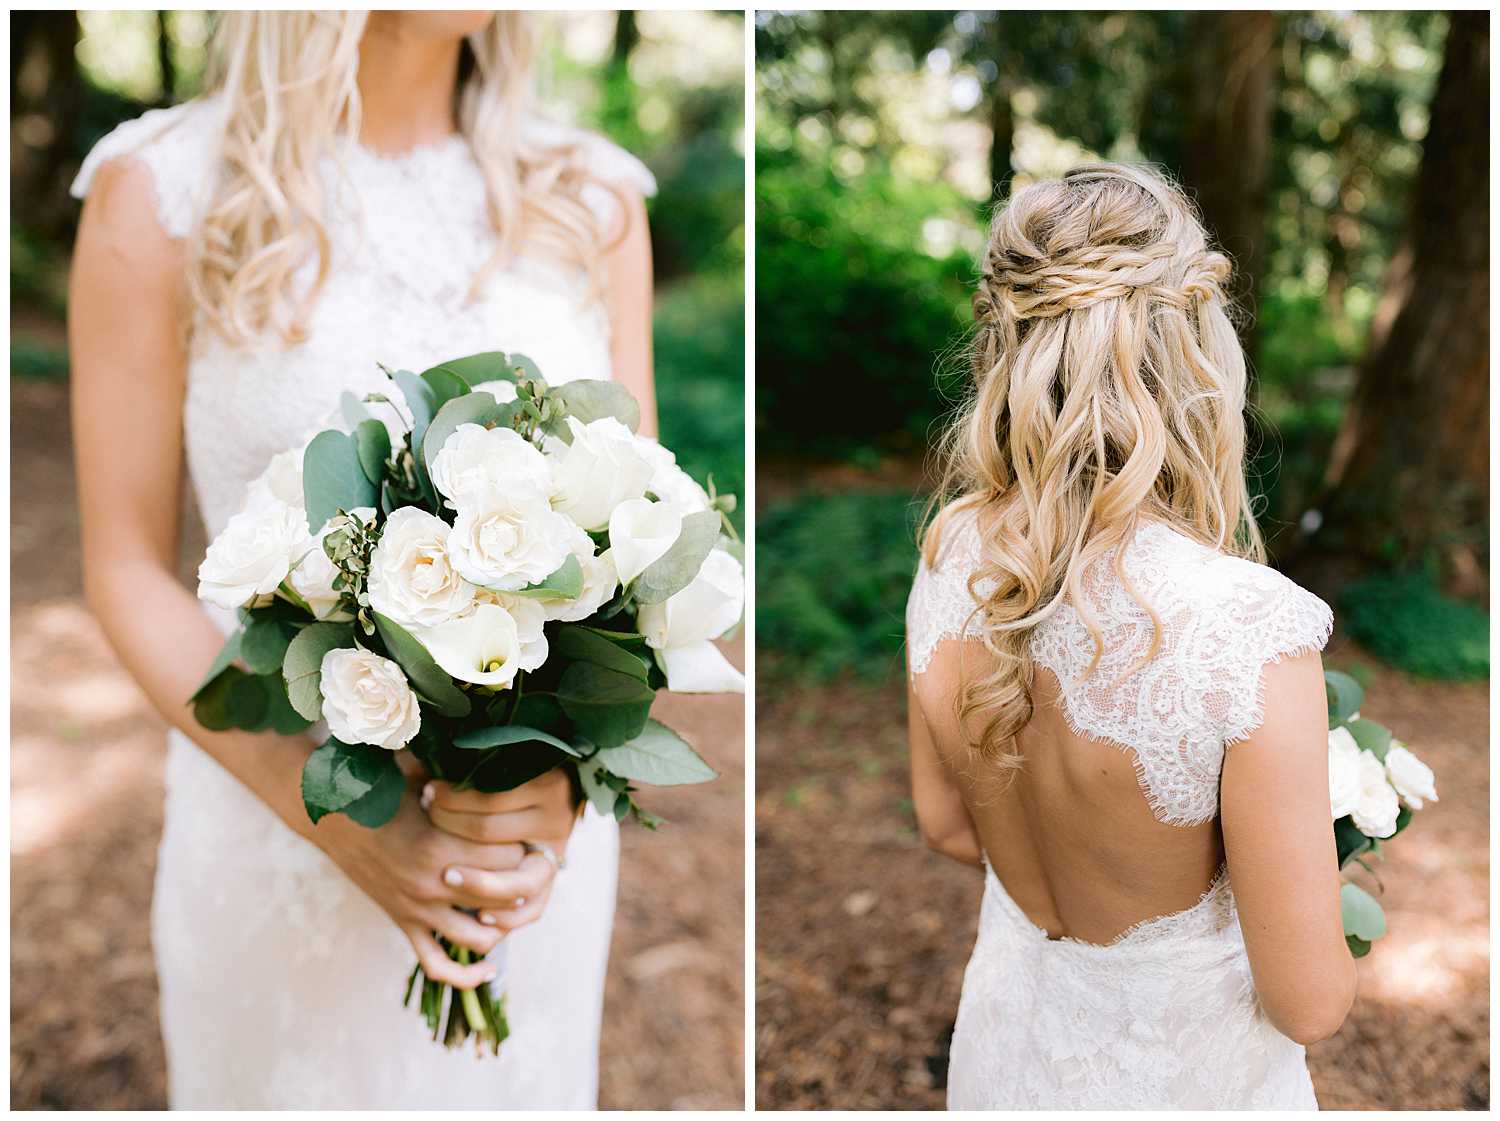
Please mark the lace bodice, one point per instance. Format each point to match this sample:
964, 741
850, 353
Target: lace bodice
1222, 619
280, 981
409, 232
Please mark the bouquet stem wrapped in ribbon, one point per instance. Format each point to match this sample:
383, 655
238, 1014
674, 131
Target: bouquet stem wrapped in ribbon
1375, 782
490, 573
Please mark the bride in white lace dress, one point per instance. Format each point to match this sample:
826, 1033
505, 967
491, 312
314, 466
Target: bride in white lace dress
1115, 711
352, 190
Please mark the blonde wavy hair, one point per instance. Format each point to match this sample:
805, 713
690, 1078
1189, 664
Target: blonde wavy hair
287, 79
1109, 390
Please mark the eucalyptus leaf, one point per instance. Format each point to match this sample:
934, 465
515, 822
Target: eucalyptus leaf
445, 384
264, 641
565, 583
429, 679
353, 410
373, 443
584, 644
222, 661
1345, 696
505, 734
492, 365
589, 400
332, 478
1363, 916
609, 708
676, 568
211, 702
658, 757
383, 799
1358, 947
1374, 738
303, 666
603, 797
338, 774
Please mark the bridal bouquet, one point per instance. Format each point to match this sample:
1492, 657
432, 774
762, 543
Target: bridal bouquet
498, 581
1375, 782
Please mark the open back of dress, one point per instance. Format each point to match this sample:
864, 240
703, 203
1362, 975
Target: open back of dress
1109, 969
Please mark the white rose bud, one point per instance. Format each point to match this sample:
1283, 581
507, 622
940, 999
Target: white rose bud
681, 629
1375, 812
482, 647
640, 533
253, 554
1343, 772
476, 464
669, 482
509, 542
1412, 778
366, 699
412, 579
600, 469
501, 390
281, 481
313, 578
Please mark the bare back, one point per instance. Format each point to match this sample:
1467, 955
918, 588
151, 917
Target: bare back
1112, 819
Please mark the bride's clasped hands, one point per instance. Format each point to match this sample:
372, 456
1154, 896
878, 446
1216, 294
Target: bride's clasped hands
449, 852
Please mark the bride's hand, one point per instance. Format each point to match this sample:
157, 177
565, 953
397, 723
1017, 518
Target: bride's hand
401, 867
541, 812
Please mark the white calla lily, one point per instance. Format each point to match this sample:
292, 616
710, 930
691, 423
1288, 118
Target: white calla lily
682, 629
482, 647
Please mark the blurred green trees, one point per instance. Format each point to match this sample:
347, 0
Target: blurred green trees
1324, 159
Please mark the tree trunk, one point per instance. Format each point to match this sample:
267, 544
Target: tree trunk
626, 34
1002, 138
1226, 147
46, 103
1410, 467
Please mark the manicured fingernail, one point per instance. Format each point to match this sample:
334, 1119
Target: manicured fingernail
490, 974
487, 918
427, 795
453, 877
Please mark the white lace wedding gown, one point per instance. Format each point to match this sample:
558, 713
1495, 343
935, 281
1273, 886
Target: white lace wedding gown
281, 982
1165, 1016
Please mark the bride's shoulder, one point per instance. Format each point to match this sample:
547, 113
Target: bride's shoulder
177, 146
592, 153
1273, 614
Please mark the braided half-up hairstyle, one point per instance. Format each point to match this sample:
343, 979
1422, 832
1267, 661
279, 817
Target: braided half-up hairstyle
1108, 391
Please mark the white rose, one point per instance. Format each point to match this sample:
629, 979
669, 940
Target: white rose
501, 390
669, 482
281, 481
366, 699
600, 469
412, 579
313, 577
509, 542
1375, 812
1412, 778
482, 647
681, 629
476, 463
253, 554
1343, 772
640, 533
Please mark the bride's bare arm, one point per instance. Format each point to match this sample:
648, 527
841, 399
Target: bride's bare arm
1278, 841
942, 817
128, 376
628, 299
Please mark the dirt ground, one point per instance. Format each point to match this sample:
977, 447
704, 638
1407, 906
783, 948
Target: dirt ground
86, 813
862, 935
